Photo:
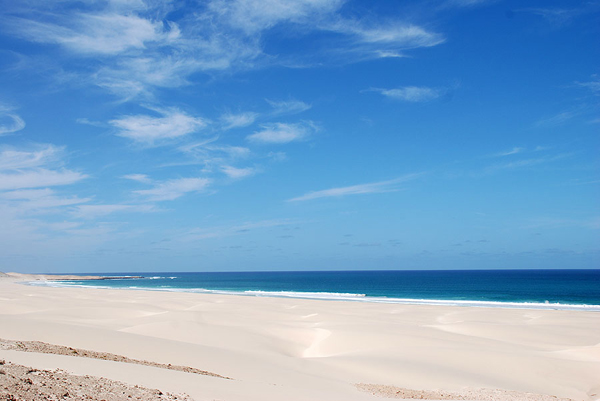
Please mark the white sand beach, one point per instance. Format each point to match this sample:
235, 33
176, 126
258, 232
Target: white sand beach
300, 350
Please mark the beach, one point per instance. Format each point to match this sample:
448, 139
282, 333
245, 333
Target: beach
235, 348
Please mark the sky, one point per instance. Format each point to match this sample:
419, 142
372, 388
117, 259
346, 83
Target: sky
235, 135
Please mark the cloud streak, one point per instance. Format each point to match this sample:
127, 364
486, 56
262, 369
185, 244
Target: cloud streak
557, 119
523, 163
95, 34
149, 45
369, 188
39, 178
153, 131
237, 173
39, 200
173, 189
22, 169
411, 94
9, 121
239, 120
95, 211
288, 106
511, 152
14, 159
280, 133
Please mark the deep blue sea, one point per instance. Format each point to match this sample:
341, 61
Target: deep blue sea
543, 289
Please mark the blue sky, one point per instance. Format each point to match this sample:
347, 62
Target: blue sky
167, 135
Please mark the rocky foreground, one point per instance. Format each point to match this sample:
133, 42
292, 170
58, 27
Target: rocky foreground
21, 383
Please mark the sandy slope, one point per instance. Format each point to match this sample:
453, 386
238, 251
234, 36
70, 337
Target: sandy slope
290, 349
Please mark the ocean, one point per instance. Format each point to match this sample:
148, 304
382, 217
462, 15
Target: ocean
536, 289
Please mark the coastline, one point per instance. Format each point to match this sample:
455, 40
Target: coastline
300, 349
148, 279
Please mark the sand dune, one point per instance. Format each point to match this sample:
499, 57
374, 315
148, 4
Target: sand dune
293, 349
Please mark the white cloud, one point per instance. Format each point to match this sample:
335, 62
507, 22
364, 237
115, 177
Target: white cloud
27, 200
21, 169
556, 119
253, 16
527, 162
513, 151
233, 152
173, 189
152, 131
238, 120
86, 121
94, 211
288, 106
554, 16
593, 85
403, 36
389, 54
90, 34
213, 157
469, 3
39, 178
143, 178
28, 194
9, 121
139, 48
283, 133
369, 188
233, 172
12, 159
415, 94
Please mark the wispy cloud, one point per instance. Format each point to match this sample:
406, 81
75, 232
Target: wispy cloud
593, 85
143, 178
147, 45
236, 173
469, 3
254, 16
153, 131
523, 163
10, 121
513, 151
556, 119
555, 16
369, 188
41, 155
413, 94
230, 120
86, 121
95, 211
175, 188
384, 37
279, 133
288, 106
91, 34
20, 169
39, 178
214, 157
37, 200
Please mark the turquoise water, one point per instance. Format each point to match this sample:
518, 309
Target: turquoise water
546, 289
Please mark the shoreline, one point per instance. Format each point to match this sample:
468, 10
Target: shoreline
324, 296
301, 350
